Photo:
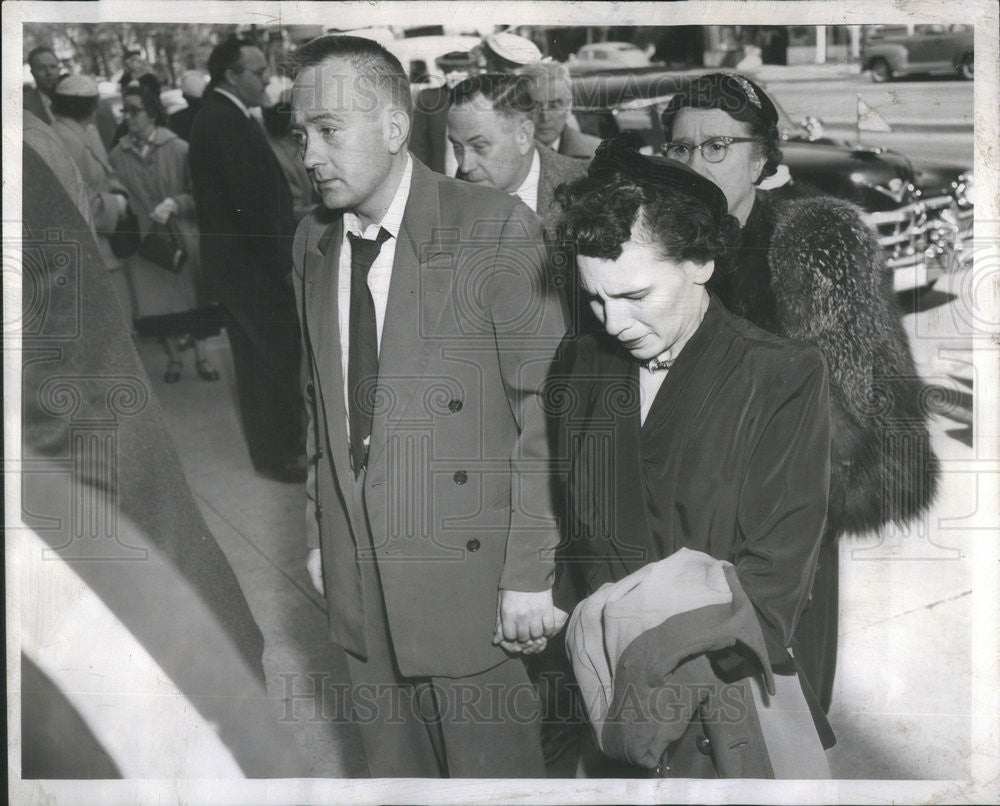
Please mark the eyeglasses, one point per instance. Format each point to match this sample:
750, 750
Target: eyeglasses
714, 149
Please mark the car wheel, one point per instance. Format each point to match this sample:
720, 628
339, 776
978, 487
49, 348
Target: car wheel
880, 70
965, 68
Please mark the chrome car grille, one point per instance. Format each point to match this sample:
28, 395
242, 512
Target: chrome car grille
924, 231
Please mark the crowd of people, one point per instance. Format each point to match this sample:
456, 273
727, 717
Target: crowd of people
652, 371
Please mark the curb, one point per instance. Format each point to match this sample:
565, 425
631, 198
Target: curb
952, 125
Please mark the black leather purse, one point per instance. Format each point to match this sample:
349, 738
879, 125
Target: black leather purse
163, 247
125, 241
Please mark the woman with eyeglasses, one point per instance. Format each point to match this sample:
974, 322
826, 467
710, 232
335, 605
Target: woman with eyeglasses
172, 305
812, 269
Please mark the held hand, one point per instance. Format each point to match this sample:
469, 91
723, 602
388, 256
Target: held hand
122, 201
314, 565
526, 620
162, 212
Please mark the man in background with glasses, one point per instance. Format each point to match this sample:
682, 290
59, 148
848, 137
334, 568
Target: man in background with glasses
552, 92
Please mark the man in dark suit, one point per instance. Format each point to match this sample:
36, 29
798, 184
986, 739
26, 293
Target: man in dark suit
430, 324
246, 222
192, 85
553, 94
46, 72
491, 127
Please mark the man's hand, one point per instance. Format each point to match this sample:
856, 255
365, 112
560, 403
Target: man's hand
314, 565
526, 620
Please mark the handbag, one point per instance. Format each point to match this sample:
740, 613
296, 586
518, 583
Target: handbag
163, 247
125, 241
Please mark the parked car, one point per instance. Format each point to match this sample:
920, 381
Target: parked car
924, 218
608, 56
898, 50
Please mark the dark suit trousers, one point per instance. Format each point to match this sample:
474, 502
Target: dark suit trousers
482, 726
266, 358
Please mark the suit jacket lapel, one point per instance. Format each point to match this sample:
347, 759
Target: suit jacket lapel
417, 299
322, 322
616, 376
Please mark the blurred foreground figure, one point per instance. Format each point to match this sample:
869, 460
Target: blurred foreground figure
140, 656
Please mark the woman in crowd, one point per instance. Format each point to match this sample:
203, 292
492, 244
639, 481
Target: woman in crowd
685, 426
74, 107
811, 269
152, 163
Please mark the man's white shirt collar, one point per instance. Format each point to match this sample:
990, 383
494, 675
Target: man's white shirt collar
528, 192
234, 99
393, 218
554, 145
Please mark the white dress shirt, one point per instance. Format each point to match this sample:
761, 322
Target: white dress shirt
234, 99
528, 192
378, 276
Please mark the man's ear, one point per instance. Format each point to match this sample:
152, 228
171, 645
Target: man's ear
399, 130
525, 136
699, 273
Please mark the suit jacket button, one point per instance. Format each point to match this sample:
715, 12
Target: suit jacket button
704, 745
455, 406
319, 454
319, 512
310, 390
473, 545
461, 477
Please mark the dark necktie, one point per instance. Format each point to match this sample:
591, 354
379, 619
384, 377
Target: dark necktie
362, 356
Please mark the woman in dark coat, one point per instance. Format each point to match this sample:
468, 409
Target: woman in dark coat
683, 425
812, 270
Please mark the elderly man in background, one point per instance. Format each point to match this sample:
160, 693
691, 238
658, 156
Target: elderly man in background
192, 86
553, 95
45, 70
491, 127
497, 53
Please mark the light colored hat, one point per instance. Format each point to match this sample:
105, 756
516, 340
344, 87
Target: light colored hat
77, 87
513, 48
192, 84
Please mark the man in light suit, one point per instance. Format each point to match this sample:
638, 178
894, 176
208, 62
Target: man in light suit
491, 127
553, 93
429, 324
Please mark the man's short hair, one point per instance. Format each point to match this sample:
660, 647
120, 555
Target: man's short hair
226, 56
36, 52
550, 72
370, 61
509, 95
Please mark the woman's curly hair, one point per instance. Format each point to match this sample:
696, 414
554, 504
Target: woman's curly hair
607, 207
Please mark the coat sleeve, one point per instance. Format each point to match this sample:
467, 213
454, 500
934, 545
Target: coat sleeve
529, 324
783, 498
298, 278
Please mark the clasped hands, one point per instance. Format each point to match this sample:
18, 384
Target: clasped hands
526, 620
